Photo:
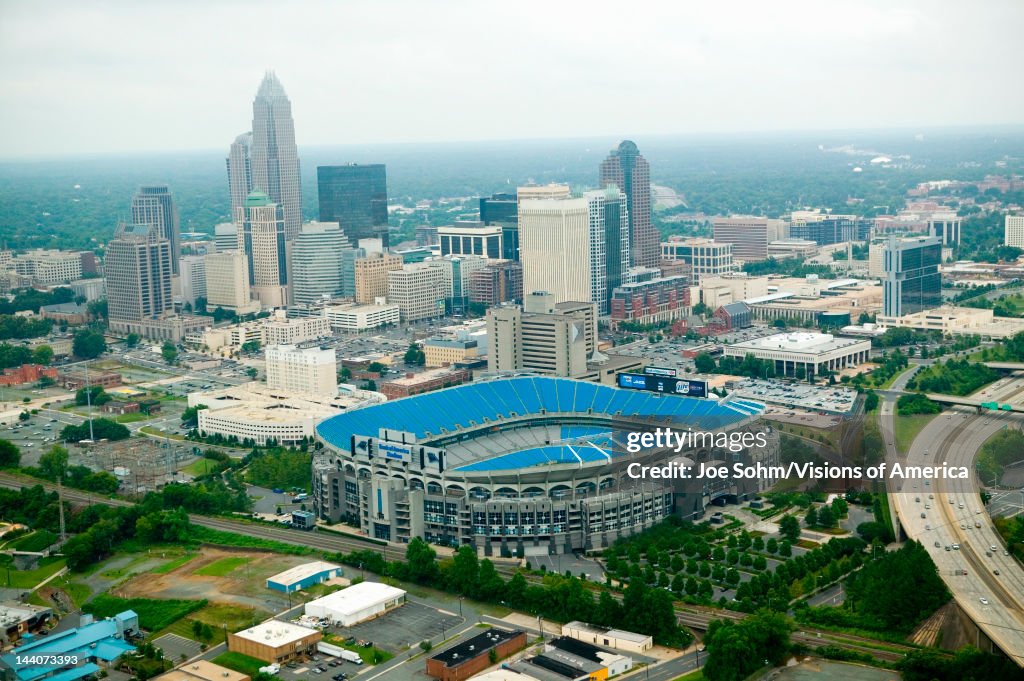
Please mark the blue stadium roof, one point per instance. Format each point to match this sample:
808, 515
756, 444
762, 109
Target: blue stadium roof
475, 404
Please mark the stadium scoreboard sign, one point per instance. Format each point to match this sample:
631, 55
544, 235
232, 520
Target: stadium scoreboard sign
660, 371
663, 384
417, 456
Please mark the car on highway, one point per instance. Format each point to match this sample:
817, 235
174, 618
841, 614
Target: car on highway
984, 601
923, 515
993, 548
956, 547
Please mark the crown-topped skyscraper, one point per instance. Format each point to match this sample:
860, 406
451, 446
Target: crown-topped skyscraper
274, 158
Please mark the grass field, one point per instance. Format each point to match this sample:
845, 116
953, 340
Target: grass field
696, 675
907, 428
240, 663
153, 614
200, 466
218, 537
37, 541
78, 592
222, 566
132, 418
218, 616
173, 564
27, 579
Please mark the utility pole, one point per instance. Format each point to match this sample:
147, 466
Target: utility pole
60, 507
88, 401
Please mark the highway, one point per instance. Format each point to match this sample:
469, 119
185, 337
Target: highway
952, 508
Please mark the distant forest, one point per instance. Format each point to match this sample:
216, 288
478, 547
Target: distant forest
755, 174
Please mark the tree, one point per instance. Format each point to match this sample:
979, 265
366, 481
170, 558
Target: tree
738, 648
169, 352
704, 363
415, 355
132, 339
812, 517
43, 354
789, 528
54, 463
10, 455
24, 416
250, 346
88, 344
826, 518
785, 549
94, 395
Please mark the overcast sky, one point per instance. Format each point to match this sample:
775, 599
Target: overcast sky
83, 77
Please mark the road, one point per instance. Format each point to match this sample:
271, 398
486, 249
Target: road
943, 513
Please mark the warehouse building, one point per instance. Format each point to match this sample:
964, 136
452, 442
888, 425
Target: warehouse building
357, 603
567, 659
302, 576
473, 655
274, 641
618, 639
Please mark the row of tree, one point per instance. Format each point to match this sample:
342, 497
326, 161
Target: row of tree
954, 377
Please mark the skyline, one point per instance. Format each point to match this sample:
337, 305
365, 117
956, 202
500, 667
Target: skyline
910, 66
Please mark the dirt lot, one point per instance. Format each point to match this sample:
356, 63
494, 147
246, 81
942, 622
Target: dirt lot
246, 585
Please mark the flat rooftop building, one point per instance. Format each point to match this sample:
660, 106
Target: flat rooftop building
810, 353
202, 670
472, 655
619, 639
356, 603
274, 641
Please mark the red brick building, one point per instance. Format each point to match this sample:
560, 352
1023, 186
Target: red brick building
435, 379
652, 301
472, 656
26, 373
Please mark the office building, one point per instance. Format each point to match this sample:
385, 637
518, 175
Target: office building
348, 270
356, 197
312, 371
441, 352
1013, 231
543, 191
371, 276
456, 274
225, 234
555, 247
262, 237
90, 289
274, 641
503, 209
945, 226
722, 290
619, 639
704, 256
912, 281
138, 272
609, 243
349, 318
804, 354
629, 171
471, 238
155, 206
957, 321
317, 262
554, 339
649, 302
202, 670
748, 235
192, 279
227, 282
824, 229
47, 267
239, 166
274, 158
425, 382
499, 281
418, 290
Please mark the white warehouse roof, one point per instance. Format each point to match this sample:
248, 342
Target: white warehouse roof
357, 598
301, 572
275, 633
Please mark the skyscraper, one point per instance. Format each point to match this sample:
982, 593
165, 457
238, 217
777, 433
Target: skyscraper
261, 236
555, 239
912, 281
138, 273
155, 206
609, 250
239, 163
629, 171
356, 197
274, 157
503, 209
317, 262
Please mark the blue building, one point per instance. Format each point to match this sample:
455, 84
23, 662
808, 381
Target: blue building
303, 576
94, 644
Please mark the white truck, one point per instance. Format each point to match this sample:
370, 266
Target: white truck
351, 656
271, 668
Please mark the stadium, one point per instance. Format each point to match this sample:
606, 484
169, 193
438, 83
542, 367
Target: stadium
519, 466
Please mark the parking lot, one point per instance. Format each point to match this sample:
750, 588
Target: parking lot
177, 648
404, 627
834, 400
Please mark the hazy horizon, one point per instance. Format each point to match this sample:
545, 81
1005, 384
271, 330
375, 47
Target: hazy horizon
124, 77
